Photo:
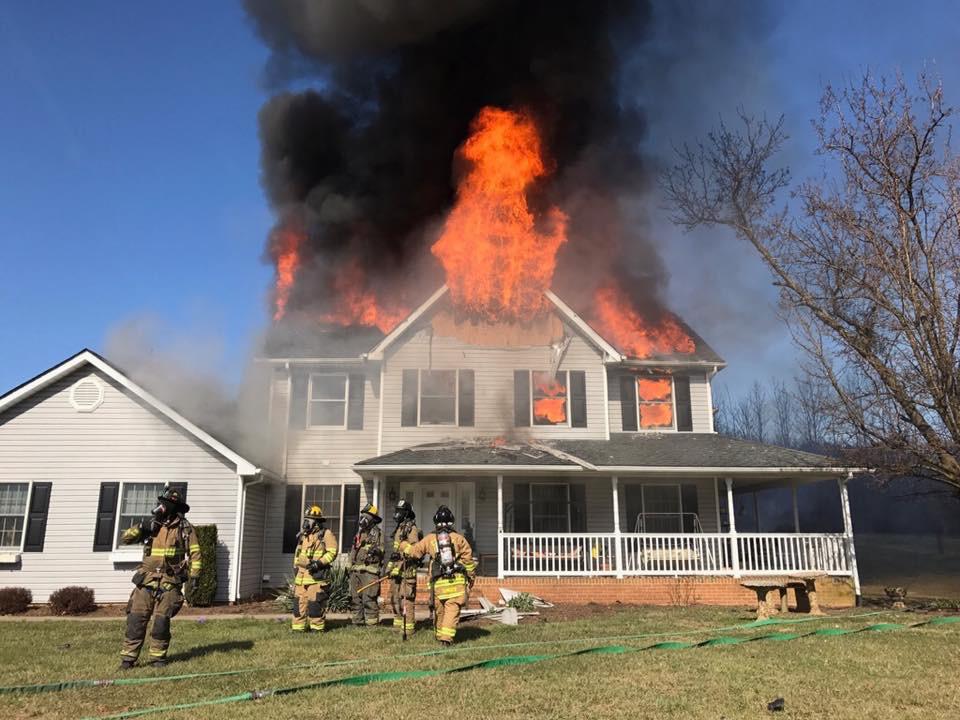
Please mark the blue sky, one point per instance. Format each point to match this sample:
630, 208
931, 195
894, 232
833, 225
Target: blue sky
129, 173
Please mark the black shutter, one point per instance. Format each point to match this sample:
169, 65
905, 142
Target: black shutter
521, 507
408, 402
298, 401
628, 402
355, 404
578, 398
466, 398
688, 496
521, 401
106, 517
292, 514
351, 514
37, 518
681, 391
578, 508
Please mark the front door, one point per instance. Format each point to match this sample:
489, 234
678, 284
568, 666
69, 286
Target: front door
427, 496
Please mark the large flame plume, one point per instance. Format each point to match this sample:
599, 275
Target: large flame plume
616, 319
498, 261
357, 305
285, 246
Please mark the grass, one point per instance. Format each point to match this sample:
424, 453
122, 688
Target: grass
906, 674
928, 566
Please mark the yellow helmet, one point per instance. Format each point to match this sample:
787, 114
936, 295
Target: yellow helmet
314, 512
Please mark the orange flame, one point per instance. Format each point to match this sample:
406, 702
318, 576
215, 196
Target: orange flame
656, 402
616, 319
657, 415
358, 306
654, 389
552, 408
497, 263
286, 243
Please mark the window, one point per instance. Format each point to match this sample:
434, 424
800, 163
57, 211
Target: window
438, 397
549, 508
137, 501
655, 402
333, 499
548, 398
13, 511
327, 400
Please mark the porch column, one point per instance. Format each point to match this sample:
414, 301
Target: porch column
734, 545
500, 548
376, 490
848, 534
618, 541
796, 508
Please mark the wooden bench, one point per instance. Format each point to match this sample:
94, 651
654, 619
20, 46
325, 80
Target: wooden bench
772, 593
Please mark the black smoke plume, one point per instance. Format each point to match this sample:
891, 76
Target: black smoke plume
363, 160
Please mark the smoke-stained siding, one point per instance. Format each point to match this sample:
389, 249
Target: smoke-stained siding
494, 386
699, 402
44, 439
251, 565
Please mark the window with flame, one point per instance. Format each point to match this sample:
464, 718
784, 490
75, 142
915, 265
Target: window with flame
655, 402
327, 400
548, 398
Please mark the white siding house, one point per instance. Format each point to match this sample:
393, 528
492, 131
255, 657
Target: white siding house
83, 451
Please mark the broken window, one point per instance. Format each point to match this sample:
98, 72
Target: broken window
438, 397
548, 393
327, 400
655, 402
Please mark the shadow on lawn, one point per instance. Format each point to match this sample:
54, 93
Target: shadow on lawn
221, 647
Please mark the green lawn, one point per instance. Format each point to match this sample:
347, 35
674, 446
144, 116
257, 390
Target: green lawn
902, 674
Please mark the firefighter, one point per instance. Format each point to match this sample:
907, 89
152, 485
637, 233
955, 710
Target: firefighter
316, 551
366, 556
171, 557
403, 573
451, 571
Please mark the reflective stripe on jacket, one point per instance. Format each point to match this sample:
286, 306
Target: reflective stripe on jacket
453, 586
319, 546
170, 556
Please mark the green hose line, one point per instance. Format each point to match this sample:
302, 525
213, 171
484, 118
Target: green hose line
515, 660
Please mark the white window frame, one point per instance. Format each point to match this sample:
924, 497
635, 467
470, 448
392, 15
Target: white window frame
342, 486
533, 421
566, 486
643, 501
346, 399
456, 397
26, 518
117, 547
673, 402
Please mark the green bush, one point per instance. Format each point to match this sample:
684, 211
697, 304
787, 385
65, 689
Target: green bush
14, 600
339, 589
522, 602
206, 590
72, 600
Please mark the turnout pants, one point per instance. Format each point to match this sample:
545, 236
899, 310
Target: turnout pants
450, 595
144, 603
366, 610
403, 599
310, 607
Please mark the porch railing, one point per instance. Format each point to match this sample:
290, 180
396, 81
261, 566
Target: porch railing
592, 554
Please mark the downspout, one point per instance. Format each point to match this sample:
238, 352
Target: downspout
710, 376
286, 425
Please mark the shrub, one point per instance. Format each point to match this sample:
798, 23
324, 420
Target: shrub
522, 602
72, 600
339, 592
207, 586
14, 600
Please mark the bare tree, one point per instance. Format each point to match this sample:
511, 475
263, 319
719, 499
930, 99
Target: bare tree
867, 259
811, 416
781, 401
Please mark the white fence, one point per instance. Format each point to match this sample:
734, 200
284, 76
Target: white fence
592, 554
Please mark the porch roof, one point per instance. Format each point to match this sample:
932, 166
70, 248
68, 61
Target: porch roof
623, 452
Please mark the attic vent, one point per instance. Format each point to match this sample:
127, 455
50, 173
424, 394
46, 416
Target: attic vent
86, 395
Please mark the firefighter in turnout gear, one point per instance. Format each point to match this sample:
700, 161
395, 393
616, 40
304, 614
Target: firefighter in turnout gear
316, 551
403, 572
366, 556
171, 557
451, 571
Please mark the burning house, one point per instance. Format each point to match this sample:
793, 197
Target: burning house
467, 311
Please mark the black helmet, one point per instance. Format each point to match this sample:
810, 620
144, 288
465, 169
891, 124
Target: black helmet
404, 511
172, 502
443, 517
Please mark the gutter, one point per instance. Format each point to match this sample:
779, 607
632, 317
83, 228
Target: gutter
481, 469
